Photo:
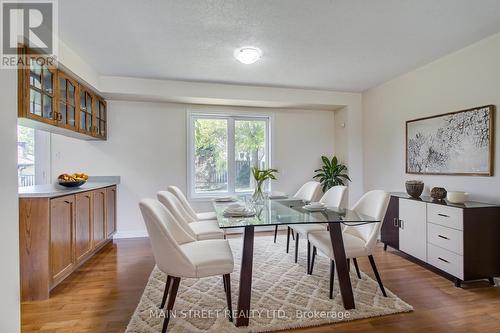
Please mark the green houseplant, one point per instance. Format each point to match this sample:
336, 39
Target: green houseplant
332, 173
260, 177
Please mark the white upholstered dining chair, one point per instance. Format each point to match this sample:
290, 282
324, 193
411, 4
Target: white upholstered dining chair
187, 207
359, 241
333, 198
178, 255
199, 230
308, 192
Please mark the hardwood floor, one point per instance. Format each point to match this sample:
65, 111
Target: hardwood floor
102, 295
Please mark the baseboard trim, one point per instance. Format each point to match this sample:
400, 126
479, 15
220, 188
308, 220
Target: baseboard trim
130, 234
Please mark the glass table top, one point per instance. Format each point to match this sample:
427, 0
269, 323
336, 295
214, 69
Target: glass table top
286, 211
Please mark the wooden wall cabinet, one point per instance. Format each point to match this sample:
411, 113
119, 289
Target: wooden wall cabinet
57, 235
53, 100
37, 92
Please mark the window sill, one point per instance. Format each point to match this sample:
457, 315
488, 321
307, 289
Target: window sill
209, 198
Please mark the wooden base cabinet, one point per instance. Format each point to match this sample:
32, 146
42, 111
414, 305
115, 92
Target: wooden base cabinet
62, 250
83, 226
59, 234
462, 241
111, 211
99, 217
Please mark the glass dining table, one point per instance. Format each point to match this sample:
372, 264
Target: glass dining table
287, 212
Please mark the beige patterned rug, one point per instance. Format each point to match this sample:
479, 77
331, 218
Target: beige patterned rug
283, 296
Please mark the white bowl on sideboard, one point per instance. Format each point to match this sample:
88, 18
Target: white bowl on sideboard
457, 197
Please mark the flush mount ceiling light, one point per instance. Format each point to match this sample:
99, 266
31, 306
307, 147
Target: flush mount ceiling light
248, 54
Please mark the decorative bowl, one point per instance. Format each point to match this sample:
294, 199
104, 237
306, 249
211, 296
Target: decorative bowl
72, 184
414, 188
438, 193
457, 197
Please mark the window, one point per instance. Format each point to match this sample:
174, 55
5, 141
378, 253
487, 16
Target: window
33, 156
222, 150
25, 156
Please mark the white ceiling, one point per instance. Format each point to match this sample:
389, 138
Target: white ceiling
345, 45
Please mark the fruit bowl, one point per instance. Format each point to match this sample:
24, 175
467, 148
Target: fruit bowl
69, 183
74, 180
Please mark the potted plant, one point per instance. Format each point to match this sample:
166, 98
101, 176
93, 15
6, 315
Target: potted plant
332, 173
260, 177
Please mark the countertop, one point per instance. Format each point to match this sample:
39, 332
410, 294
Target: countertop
56, 190
467, 204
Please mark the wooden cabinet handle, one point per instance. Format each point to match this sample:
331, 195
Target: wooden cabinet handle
443, 237
68, 202
87, 196
446, 261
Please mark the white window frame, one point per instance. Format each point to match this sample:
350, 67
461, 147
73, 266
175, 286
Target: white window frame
231, 117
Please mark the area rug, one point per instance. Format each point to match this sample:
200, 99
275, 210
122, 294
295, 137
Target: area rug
283, 296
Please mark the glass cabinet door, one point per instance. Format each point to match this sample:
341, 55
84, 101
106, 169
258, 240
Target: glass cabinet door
101, 118
66, 115
41, 92
86, 111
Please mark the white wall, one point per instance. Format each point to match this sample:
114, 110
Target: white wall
137, 89
147, 147
465, 79
9, 246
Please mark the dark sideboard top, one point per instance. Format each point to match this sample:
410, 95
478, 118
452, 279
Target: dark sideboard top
428, 199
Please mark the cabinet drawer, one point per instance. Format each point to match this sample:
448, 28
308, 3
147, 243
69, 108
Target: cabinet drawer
445, 260
446, 238
450, 217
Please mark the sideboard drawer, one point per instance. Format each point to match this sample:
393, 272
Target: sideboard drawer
446, 238
447, 216
445, 260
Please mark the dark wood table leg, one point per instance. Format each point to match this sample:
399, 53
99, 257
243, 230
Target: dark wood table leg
341, 263
245, 292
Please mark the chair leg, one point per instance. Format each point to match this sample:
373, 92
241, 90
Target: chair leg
227, 287
297, 248
357, 268
312, 260
308, 256
165, 293
288, 239
348, 265
385, 247
275, 232
332, 277
374, 267
293, 236
171, 301
224, 283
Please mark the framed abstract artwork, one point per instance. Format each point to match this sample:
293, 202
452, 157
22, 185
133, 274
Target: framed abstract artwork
456, 143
